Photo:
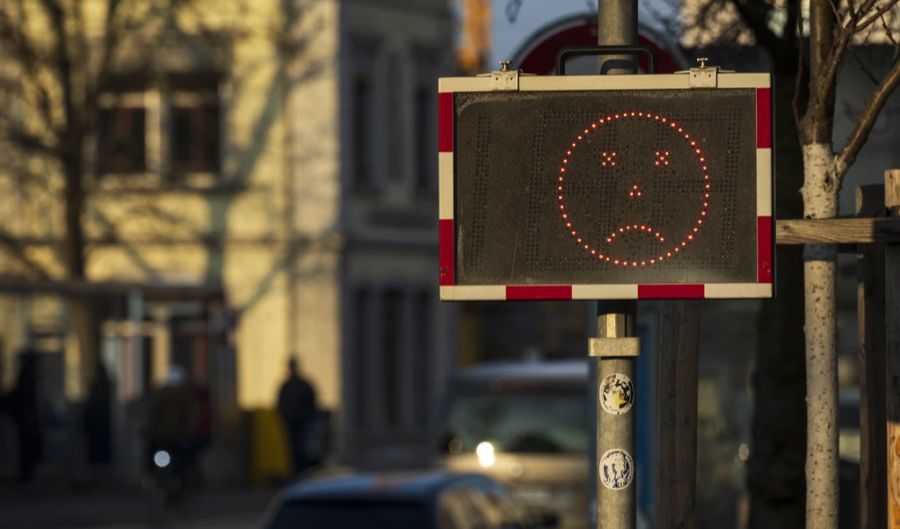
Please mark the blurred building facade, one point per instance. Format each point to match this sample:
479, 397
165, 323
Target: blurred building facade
264, 188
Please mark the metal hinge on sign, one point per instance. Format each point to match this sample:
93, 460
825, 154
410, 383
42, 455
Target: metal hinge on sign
704, 76
504, 78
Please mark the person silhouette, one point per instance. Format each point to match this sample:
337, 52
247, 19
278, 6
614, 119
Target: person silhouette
22, 405
297, 407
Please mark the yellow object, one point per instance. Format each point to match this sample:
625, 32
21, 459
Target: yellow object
269, 454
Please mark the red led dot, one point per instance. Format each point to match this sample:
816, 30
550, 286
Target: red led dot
643, 263
707, 186
593, 252
696, 230
562, 206
690, 238
669, 254
652, 261
593, 125
568, 225
676, 250
699, 221
634, 263
682, 244
703, 213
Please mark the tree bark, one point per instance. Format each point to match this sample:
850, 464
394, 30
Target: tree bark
820, 201
81, 308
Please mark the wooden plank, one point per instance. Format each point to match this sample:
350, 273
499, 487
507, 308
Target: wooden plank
836, 231
870, 314
677, 409
892, 353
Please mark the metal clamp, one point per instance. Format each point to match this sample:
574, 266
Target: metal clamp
503, 79
703, 76
614, 347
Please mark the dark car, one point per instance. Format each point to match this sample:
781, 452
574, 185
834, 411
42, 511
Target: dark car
422, 500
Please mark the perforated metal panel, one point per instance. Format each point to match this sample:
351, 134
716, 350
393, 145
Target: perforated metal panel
607, 187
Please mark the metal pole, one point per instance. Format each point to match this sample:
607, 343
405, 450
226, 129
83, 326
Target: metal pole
617, 348
617, 23
615, 352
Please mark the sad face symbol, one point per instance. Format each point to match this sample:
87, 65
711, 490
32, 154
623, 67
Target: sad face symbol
632, 239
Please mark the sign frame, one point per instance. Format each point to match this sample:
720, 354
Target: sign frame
762, 288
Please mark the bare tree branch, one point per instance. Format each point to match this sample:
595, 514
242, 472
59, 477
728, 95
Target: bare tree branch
866, 121
17, 250
876, 15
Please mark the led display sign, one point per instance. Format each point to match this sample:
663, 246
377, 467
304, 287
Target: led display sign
606, 187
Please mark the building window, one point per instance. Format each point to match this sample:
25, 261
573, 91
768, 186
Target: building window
363, 152
195, 131
121, 132
391, 343
425, 145
422, 354
362, 305
395, 148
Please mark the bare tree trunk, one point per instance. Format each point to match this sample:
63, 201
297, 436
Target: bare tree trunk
820, 201
81, 308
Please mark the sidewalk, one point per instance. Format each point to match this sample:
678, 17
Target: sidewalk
57, 509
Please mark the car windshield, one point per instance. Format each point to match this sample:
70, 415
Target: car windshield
518, 423
351, 515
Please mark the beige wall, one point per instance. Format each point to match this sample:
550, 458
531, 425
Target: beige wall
280, 164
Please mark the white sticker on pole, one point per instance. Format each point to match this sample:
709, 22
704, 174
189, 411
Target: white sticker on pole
616, 469
616, 394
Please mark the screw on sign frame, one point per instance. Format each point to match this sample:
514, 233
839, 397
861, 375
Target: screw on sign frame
604, 249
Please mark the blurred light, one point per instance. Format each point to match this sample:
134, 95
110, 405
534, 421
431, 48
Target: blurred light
162, 459
744, 452
485, 453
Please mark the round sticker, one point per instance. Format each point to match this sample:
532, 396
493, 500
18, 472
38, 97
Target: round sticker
616, 394
616, 469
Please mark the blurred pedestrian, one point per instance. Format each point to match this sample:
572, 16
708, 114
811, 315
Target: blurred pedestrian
22, 405
203, 426
97, 418
297, 406
170, 419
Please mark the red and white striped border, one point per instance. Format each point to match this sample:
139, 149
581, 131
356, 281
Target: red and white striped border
449, 290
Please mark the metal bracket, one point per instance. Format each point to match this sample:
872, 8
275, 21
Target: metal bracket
504, 79
614, 347
704, 76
